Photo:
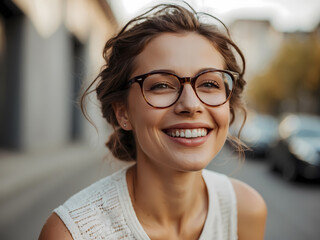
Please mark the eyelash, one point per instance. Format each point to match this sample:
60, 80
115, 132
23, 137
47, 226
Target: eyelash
156, 86
211, 82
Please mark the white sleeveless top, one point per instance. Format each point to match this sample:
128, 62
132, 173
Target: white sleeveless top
104, 210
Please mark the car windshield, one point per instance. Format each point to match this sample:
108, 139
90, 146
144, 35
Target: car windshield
300, 126
308, 133
308, 127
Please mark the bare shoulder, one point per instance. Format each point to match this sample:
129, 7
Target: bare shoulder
252, 211
249, 200
54, 228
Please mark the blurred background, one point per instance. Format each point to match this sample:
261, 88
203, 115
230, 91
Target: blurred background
48, 151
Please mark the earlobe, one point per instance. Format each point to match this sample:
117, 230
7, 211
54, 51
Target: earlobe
120, 110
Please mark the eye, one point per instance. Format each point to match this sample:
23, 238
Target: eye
208, 84
161, 85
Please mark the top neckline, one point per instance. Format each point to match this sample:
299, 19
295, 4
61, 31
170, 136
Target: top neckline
133, 221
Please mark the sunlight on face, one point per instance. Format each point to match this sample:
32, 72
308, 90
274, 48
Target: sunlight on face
185, 55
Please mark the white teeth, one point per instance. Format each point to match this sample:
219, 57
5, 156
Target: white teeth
203, 132
194, 133
200, 132
188, 133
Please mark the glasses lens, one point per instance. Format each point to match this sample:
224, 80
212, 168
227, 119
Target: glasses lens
214, 88
161, 90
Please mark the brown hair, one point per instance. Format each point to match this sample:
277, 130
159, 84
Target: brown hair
121, 50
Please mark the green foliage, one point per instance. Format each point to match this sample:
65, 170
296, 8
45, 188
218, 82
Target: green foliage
295, 70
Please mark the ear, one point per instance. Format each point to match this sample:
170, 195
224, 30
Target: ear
120, 110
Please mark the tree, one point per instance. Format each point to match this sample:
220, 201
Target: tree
293, 75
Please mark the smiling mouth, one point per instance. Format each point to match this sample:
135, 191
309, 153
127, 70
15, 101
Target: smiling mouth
187, 133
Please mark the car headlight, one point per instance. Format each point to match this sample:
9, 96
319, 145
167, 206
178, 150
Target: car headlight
303, 151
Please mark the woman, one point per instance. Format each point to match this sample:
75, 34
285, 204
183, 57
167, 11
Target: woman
170, 88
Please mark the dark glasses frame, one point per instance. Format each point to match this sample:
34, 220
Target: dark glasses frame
140, 79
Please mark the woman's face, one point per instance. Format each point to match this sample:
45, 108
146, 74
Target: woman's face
185, 54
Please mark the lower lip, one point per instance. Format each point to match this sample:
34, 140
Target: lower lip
190, 142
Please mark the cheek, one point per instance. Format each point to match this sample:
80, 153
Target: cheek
141, 115
221, 117
144, 119
146, 128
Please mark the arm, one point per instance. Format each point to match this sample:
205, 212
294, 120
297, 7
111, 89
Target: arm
252, 212
54, 228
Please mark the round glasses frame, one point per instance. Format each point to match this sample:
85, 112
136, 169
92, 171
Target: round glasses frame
140, 79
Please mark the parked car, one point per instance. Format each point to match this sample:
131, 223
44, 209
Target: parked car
259, 133
297, 153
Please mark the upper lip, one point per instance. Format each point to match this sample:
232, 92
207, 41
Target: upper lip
189, 126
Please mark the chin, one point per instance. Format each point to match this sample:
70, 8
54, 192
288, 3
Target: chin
193, 165
192, 168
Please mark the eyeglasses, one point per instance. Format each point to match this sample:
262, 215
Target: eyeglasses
162, 89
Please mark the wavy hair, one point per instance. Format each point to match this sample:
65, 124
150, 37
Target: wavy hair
121, 50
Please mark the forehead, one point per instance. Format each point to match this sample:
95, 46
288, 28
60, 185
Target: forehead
183, 53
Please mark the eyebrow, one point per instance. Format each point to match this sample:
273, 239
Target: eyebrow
174, 72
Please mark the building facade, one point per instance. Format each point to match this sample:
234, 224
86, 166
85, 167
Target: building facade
47, 50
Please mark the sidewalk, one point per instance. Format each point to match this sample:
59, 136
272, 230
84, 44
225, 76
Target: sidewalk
27, 179
19, 171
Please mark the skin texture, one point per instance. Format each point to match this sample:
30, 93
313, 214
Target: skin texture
54, 228
166, 186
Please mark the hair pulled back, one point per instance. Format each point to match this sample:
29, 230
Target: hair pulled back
121, 50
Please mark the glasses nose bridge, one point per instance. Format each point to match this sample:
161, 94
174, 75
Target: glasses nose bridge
184, 80
190, 80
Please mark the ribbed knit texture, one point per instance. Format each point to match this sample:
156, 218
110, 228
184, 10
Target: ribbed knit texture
104, 210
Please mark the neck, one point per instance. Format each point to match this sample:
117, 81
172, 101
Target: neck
166, 197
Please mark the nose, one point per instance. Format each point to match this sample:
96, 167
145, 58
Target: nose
188, 102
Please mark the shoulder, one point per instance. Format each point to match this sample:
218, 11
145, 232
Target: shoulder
252, 211
249, 200
54, 228
80, 215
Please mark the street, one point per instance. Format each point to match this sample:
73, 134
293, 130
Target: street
293, 209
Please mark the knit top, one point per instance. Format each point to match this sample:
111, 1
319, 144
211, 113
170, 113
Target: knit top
104, 210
